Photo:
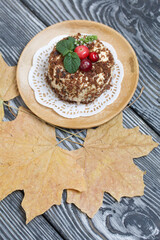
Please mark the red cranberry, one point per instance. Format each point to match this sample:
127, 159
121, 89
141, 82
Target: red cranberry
93, 56
82, 51
86, 65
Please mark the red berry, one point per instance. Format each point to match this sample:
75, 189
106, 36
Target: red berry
93, 56
82, 51
85, 65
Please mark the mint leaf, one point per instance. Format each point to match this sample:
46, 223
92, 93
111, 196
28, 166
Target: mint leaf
61, 46
65, 46
71, 62
66, 51
71, 39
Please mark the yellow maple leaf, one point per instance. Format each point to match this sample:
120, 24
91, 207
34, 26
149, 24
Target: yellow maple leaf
30, 160
107, 158
8, 86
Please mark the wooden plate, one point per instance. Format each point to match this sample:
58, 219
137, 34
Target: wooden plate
125, 54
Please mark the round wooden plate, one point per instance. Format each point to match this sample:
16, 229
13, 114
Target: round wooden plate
125, 54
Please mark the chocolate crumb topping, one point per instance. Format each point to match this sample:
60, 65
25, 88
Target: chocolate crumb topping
81, 87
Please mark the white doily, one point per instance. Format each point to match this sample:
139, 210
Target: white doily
45, 95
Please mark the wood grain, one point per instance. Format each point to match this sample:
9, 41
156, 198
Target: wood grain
12, 222
16, 30
13, 38
108, 222
124, 52
137, 21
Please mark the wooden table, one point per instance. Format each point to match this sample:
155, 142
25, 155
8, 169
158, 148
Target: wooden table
132, 218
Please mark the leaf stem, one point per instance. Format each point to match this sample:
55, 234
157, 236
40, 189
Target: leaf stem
68, 140
12, 111
68, 137
73, 134
135, 99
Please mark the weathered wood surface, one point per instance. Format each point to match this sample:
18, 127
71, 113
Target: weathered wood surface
131, 218
138, 21
12, 222
17, 27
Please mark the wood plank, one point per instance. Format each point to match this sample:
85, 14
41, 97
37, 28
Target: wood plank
108, 222
66, 218
137, 22
18, 26
12, 222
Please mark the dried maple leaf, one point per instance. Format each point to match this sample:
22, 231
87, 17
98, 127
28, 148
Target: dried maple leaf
31, 161
8, 86
107, 158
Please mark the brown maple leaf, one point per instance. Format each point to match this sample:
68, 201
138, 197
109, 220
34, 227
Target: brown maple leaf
8, 86
30, 160
107, 158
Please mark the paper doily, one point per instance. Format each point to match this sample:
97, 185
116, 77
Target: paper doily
45, 95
